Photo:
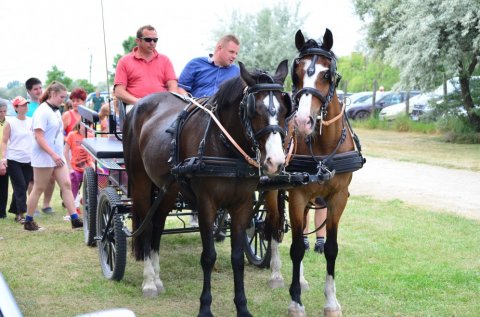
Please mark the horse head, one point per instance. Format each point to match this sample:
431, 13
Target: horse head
263, 110
314, 80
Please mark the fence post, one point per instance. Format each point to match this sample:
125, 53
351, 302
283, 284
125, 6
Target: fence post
407, 102
374, 97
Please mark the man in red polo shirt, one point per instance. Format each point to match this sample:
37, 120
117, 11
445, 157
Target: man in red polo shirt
144, 71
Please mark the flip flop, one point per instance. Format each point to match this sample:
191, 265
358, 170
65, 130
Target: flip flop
20, 219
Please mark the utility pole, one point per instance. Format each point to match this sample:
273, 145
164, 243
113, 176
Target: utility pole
90, 78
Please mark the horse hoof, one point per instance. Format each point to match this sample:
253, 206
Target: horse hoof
275, 283
160, 288
150, 292
304, 285
296, 310
328, 312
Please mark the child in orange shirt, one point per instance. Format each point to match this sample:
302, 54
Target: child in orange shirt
79, 157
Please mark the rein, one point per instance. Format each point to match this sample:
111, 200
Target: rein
247, 157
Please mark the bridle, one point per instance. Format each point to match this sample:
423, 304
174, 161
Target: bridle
248, 106
316, 51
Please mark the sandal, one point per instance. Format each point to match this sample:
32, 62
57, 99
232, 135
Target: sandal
20, 219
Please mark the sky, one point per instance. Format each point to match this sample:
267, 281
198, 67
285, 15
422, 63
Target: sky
36, 35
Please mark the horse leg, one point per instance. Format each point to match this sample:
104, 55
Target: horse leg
297, 251
149, 288
274, 225
276, 279
206, 215
336, 206
240, 218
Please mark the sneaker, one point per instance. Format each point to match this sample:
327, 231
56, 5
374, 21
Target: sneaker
319, 245
66, 218
77, 223
30, 226
306, 243
47, 210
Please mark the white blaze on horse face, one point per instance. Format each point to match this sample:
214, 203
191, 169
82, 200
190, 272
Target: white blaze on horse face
274, 146
305, 102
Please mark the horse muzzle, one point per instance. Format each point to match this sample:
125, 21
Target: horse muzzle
305, 124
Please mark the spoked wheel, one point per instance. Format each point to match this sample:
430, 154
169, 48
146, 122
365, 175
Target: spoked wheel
257, 248
112, 247
89, 206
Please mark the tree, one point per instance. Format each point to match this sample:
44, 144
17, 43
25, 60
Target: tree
83, 83
57, 75
267, 37
360, 71
128, 46
427, 41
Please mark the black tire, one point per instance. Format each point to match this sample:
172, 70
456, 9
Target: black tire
362, 115
90, 191
112, 250
257, 248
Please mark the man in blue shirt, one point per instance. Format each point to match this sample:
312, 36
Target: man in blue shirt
202, 76
34, 90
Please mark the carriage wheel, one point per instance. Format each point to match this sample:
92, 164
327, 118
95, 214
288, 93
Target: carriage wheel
112, 250
257, 249
89, 194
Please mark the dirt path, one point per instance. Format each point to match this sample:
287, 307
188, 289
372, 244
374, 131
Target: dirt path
439, 188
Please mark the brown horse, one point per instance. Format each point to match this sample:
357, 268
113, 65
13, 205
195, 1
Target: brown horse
326, 149
209, 170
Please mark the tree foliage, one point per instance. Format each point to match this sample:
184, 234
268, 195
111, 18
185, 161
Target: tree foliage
359, 72
57, 75
128, 46
428, 41
267, 37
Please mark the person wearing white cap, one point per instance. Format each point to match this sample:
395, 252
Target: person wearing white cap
16, 148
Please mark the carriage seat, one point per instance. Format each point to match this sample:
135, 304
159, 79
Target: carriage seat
102, 148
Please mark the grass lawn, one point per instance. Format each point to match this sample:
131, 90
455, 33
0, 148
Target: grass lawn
394, 260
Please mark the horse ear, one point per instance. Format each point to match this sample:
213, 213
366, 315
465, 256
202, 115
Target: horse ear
282, 71
327, 40
299, 40
247, 78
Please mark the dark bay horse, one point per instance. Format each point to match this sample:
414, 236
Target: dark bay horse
323, 135
157, 140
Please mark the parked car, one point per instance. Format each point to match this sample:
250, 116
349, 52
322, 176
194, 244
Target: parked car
382, 99
358, 97
10, 110
391, 112
453, 87
89, 102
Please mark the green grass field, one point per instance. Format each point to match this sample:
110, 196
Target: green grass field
394, 260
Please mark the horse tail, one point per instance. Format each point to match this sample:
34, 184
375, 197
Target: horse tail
138, 180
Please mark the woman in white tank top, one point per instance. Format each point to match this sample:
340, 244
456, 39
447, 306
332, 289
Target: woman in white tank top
16, 150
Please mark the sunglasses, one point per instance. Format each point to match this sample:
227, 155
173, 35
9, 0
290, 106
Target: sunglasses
149, 39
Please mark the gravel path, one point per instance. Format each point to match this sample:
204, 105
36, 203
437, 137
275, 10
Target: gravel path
438, 188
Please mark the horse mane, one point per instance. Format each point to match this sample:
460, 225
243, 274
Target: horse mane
232, 90
229, 92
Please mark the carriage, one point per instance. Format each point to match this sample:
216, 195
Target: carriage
107, 191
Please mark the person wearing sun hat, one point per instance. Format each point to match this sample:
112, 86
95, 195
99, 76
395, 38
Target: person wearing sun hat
16, 146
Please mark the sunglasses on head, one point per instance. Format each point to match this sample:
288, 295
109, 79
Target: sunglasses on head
149, 39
